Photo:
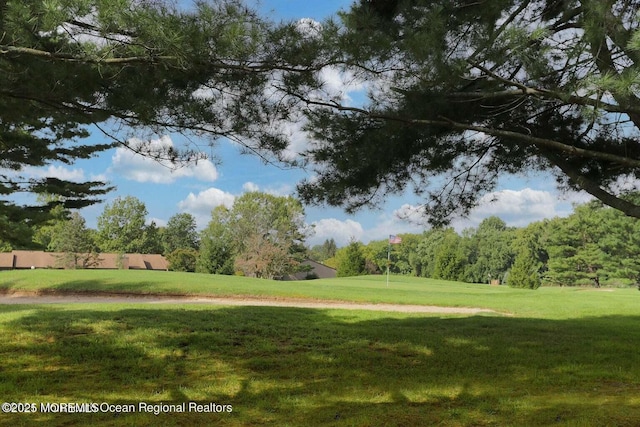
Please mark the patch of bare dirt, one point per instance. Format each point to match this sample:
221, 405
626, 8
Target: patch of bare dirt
71, 298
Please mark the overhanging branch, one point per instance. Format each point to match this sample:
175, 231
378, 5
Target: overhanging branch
521, 138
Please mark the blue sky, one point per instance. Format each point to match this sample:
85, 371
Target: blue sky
198, 189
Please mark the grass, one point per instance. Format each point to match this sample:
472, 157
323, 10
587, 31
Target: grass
565, 357
553, 302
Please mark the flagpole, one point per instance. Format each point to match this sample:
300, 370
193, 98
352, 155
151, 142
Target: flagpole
388, 261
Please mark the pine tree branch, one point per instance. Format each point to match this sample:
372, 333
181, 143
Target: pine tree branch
522, 138
547, 94
595, 190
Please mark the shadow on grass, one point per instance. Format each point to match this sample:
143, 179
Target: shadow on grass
287, 366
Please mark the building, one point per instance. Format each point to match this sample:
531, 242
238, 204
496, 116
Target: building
317, 271
38, 259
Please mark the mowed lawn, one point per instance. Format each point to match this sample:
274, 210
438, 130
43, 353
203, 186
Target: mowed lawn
547, 357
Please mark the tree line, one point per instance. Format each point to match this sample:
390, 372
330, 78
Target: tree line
264, 236
594, 246
261, 235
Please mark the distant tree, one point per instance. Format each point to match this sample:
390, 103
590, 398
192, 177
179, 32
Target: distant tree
375, 255
262, 258
75, 242
121, 226
217, 251
575, 255
151, 239
43, 233
423, 260
489, 251
594, 245
351, 261
530, 257
450, 258
180, 233
182, 259
324, 251
267, 234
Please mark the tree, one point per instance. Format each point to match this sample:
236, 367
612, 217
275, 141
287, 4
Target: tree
594, 245
325, 251
180, 233
463, 92
121, 226
75, 242
264, 235
182, 259
449, 259
128, 68
270, 229
216, 255
530, 258
43, 233
490, 251
575, 255
351, 261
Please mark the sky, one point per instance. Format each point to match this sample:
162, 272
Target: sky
199, 188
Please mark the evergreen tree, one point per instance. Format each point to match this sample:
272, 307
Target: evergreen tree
217, 251
462, 92
449, 258
128, 68
528, 264
351, 261
75, 242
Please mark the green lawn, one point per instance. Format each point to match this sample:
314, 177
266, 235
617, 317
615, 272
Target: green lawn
551, 302
563, 356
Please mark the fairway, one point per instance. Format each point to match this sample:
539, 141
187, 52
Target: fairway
547, 357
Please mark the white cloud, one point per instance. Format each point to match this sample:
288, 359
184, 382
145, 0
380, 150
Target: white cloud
518, 208
157, 221
281, 190
60, 172
250, 187
201, 205
139, 168
331, 228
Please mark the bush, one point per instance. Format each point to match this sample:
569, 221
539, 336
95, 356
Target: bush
182, 260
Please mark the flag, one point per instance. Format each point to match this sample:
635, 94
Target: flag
394, 240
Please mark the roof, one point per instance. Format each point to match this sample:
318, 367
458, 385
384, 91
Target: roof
40, 259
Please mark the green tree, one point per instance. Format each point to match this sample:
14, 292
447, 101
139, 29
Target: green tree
121, 226
151, 239
423, 260
217, 252
530, 258
263, 234
75, 242
594, 245
375, 255
44, 232
270, 229
575, 256
183, 259
325, 251
180, 233
351, 261
450, 258
127, 68
463, 92
489, 251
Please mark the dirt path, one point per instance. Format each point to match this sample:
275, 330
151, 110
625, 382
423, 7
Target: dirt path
30, 298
